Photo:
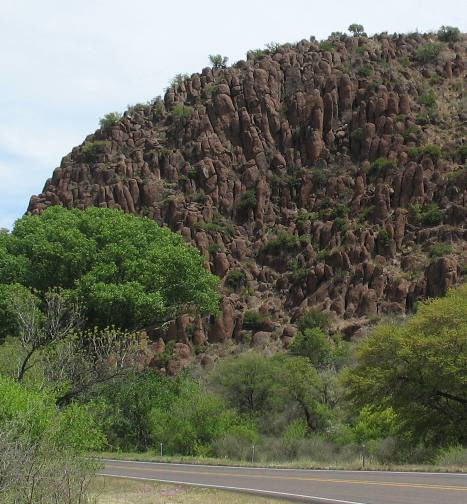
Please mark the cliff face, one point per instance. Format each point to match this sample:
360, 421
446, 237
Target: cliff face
324, 175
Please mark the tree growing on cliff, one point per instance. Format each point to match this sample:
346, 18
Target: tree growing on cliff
356, 29
218, 61
124, 270
419, 370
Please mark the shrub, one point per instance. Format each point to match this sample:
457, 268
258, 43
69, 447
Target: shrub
428, 99
284, 242
303, 217
214, 248
218, 61
383, 238
319, 177
356, 29
218, 225
342, 224
235, 279
365, 71
449, 34
462, 152
181, 111
110, 119
408, 132
452, 456
440, 250
431, 150
131, 109
357, 134
327, 45
428, 53
273, 47
254, 321
314, 345
431, 215
313, 318
340, 210
247, 201
380, 166
178, 79
257, 53
91, 151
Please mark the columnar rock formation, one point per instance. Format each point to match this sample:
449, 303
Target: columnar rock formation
312, 175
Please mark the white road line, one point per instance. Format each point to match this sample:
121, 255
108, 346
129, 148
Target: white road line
238, 489
375, 471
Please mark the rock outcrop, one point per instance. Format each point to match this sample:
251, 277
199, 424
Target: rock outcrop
313, 175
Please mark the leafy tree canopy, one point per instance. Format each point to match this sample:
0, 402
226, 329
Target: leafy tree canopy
419, 370
124, 269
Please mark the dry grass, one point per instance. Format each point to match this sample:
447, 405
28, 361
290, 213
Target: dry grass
126, 491
299, 464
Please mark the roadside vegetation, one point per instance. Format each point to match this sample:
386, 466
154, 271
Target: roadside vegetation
77, 287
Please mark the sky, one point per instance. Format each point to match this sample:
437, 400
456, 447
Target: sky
64, 63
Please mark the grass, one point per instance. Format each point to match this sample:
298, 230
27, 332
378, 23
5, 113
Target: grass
108, 490
299, 464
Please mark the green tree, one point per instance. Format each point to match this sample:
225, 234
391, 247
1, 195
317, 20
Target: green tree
356, 29
301, 384
246, 382
314, 345
218, 61
449, 34
125, 270
419, 370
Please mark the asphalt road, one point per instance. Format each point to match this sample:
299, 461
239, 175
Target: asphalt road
327, 487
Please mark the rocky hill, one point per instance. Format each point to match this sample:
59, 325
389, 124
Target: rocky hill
320, 174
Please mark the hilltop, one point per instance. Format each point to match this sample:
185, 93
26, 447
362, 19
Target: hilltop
318, 174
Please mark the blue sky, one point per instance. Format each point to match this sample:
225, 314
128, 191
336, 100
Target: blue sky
64, 64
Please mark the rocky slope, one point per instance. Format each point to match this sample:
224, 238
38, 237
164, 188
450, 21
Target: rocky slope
328, 175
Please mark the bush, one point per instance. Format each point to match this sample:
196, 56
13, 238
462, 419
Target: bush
214, 248
341, 224
303, 217
327, 45
452, 456
235, 279
380, 166
181, 111
314, 318
428, 53
428, 99
92, 151
254, 321
314, 345
178, 80
449, 34
110, 119
365, 71
383, 238
440, 250
431, 215
247, 201
137, 107
218, 225
431, 150
218, 61
284, 242
357, 134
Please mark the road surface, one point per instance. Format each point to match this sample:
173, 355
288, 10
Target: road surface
326, 487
